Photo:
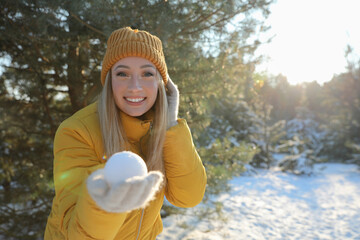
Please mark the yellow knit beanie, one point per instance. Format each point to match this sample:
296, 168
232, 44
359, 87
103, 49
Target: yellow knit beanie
126, 42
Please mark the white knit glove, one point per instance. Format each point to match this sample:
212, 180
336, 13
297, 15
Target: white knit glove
173, 102
125, 196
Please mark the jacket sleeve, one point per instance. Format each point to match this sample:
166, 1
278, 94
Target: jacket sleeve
74, 160
185, 173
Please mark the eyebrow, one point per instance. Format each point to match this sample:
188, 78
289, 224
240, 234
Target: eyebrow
122, 66
147, 65
143, 66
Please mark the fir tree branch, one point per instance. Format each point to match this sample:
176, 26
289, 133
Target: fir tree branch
86, 24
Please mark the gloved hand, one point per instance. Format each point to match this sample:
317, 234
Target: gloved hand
125, 196
173, 102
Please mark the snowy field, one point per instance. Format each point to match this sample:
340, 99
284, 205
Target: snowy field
276, 205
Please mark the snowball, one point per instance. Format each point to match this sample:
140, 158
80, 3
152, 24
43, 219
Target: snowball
124, 165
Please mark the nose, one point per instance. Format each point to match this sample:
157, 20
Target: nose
134, 83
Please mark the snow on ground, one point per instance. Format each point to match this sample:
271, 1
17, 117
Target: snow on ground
277, 205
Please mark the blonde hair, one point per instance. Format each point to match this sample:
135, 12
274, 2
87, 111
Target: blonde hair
113, 133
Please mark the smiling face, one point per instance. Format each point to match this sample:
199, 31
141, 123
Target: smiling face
134, 85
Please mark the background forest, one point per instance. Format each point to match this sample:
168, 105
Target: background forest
51, 53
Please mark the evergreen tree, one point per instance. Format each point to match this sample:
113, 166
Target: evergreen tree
265, 135
342, 104
303, 143
266, 131
283, 97
52, 53
355, 152
313, 97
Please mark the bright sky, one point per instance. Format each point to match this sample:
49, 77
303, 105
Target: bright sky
310, 38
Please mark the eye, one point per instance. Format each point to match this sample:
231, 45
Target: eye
121, 74
148, 74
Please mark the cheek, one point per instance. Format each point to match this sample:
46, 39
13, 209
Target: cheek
154, 89
117, 88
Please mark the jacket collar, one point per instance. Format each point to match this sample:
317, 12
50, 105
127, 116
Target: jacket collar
136, 128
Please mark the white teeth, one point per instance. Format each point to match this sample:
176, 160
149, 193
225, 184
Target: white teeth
134, 99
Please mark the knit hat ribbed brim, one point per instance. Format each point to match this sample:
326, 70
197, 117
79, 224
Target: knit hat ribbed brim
126, 42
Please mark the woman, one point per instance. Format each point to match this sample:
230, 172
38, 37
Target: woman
135, 112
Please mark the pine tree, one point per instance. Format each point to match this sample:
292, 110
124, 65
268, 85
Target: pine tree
303, 143
52, 53
342, 104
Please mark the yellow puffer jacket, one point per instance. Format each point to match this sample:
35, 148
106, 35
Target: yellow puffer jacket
78, 151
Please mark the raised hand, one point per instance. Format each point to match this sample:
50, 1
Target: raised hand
125, 196
173, 102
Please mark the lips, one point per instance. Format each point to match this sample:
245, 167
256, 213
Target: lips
135, 100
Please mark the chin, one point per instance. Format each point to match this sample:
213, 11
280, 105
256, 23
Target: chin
135, 113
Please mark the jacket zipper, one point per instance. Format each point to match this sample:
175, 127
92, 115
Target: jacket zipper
143, 210
140, 145
141, 218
